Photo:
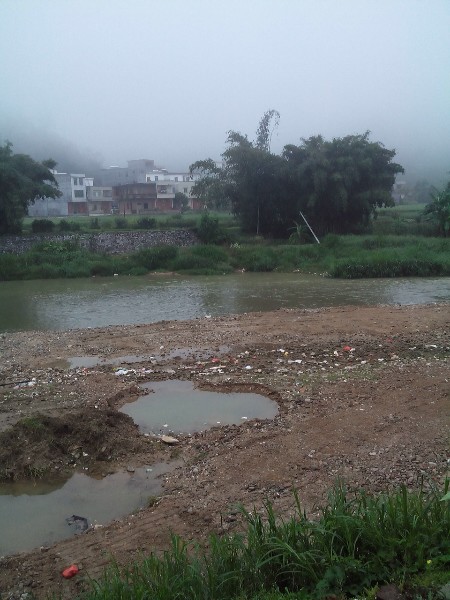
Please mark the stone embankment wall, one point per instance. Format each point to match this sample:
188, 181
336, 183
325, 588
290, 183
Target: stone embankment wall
109, 242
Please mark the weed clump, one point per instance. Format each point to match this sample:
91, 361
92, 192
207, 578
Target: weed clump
357, 543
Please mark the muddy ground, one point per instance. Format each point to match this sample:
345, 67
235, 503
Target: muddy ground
363, 395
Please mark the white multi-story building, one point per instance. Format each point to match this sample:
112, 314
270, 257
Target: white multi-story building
168, 184
73, 199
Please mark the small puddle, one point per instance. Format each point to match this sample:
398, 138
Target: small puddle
34, 514
179, 407
87, 362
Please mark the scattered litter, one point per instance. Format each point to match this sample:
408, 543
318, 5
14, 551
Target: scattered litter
70, 571
22, 384
348, 349
248, 367
81, 523
124, 371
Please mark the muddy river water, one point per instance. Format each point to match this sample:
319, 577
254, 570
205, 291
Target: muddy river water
99, 302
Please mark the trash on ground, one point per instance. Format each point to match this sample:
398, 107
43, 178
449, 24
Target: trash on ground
80, 523
70, 571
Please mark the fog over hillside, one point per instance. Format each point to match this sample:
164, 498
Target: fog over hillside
99, 83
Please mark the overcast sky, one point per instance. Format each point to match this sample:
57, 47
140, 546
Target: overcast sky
166, 79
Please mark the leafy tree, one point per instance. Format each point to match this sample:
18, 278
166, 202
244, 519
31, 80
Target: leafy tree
181, 201
255, 184
337, 184
341, 182
22, 180
210, 188
269, 122
439, 210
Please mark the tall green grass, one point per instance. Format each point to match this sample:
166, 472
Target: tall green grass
358, 542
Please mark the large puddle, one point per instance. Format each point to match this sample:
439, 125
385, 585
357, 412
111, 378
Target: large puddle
39, 513
179, 407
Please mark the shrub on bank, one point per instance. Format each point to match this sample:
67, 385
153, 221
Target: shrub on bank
156, 257
64, 225
197, 264
42, 226
145, 223
389, 264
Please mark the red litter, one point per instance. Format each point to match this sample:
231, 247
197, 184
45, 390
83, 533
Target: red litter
346, 348
70, 571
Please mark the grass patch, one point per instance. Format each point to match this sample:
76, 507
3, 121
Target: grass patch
358, 542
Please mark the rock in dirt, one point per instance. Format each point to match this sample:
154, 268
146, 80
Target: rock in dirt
171, 441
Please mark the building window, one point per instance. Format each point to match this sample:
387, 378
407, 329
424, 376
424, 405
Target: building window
75, 181
156, 177
149, 179
107, 193
78, 193
80, 181
145, 204
185, 190
176, 178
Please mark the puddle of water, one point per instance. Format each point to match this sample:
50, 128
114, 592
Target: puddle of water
35, 514
87, 362
176, 406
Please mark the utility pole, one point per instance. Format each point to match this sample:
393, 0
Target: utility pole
309, 227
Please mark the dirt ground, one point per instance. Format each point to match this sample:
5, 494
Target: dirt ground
363, 395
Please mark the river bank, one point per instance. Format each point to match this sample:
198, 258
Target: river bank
345, 257
362, 393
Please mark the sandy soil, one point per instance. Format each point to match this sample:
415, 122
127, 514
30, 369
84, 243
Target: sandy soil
363, 394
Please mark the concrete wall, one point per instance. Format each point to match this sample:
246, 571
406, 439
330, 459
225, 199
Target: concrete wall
109, 242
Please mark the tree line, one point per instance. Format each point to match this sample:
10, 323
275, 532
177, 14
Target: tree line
336, 185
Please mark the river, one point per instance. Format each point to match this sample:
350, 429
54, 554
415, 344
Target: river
79, 303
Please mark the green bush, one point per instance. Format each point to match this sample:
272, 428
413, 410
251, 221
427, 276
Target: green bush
64, 225
251, 259
42, 226
102, 268
157, 257
121, 223
94, 223
44, 271
209, 230
214, 253
179, 221
189, 261
145, 223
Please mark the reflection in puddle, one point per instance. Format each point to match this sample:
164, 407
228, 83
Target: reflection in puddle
177, 406
179, 353
39, 513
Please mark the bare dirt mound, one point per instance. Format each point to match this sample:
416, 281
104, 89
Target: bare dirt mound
43, 445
